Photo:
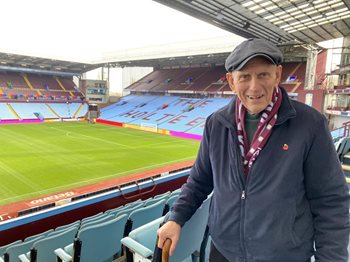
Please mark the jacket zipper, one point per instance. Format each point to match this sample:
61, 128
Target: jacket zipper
244, 185
243, 182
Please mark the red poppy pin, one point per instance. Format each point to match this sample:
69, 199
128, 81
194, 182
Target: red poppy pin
285, 147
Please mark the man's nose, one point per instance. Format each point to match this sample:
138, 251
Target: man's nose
254, 83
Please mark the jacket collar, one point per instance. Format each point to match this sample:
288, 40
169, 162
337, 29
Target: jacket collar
226, 115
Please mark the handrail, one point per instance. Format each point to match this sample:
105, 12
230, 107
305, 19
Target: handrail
139, 190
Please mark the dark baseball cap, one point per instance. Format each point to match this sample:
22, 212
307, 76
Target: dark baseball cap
249, 49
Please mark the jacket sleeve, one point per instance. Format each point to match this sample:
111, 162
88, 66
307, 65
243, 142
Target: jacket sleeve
328, 194
199, 183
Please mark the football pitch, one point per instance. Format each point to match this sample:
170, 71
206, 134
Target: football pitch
39, 159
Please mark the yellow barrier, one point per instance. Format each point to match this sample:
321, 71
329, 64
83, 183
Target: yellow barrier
132, 126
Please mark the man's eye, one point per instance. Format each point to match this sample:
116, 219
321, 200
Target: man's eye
263, 75
244, 77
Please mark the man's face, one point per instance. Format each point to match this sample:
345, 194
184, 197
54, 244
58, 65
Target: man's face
254, 83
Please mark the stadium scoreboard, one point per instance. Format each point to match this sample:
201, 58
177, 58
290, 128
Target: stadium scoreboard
96, 91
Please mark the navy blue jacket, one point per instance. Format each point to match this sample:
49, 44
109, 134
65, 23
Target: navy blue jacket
294, 197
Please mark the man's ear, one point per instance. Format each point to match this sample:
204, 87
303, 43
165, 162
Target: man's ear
229, 78
278, 74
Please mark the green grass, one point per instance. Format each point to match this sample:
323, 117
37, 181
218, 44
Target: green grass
38, 159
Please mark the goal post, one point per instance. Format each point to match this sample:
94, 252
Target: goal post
151, 127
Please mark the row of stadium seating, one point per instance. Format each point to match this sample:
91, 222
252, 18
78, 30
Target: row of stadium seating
31, 86
15, 111
166, 112
41, 82
98, 236
209, 79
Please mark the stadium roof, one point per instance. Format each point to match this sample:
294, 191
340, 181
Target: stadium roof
280, 21
288, 23
14, 62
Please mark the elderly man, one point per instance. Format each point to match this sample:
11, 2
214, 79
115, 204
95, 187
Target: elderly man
279, 194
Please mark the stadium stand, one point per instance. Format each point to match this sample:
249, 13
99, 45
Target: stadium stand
68, 110
41, 110
209, 79
293, 76
20, 86
12, 80
32, 110
167, 112
176, 79
5, 112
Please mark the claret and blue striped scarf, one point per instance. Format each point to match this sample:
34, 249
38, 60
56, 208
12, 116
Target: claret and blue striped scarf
267, 121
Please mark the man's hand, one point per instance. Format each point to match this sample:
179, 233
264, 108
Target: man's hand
169, 230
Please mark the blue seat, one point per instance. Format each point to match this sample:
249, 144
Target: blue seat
95, 243
169, 203
11, 254
41, 234
343, 148
142, 241
144, 215
43, 249
91, 217
92, 222
126, 209
156, 199
76, 223
3, 248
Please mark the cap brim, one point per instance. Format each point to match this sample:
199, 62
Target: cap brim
244, 62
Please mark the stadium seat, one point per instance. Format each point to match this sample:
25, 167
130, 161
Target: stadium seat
11, 254
76, 223
41, 234
169, 203
96, 221
95, 243
125, 210
91, 217
3, 248
144, 215
344, 148
142, 241
43, 249
155, 199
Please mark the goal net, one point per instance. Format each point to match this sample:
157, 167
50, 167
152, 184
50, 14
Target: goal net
151, 127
